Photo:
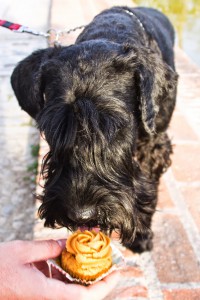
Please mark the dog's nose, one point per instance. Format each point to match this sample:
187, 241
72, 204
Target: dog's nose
82, 215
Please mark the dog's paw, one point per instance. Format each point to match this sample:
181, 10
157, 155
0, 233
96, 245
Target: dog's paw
141, 243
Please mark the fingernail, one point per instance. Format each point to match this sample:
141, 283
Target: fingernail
61, 243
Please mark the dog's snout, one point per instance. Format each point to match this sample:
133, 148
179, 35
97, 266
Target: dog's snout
82, 215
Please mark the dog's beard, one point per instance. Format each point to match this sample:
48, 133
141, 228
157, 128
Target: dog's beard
117, 220
125, 208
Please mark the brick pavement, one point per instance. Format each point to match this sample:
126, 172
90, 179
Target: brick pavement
172, 270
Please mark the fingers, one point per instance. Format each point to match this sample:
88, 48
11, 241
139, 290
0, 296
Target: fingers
26, 252
97, 291
34, 251
104, 287
62, 243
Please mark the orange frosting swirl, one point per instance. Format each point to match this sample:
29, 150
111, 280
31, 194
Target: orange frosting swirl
89, 247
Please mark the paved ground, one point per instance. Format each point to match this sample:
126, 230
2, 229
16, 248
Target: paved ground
17, 134
172, 270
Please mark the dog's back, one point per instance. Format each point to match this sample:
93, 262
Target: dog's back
135, 26
159, 28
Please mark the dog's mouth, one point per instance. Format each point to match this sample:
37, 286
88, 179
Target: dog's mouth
83, 228
97, 228
93, 225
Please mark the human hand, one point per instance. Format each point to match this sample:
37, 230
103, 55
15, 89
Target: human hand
21, 280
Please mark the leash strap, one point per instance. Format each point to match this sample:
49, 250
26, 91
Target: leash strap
9, 25
20, 28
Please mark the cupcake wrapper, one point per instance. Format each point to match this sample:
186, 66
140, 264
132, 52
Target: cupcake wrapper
118, 262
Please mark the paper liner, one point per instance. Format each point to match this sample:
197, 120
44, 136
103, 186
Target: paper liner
118, 262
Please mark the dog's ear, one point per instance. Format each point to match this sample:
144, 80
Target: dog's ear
156, 81
26, 81
147, 104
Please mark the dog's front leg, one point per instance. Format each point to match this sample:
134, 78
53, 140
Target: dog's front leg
142, 242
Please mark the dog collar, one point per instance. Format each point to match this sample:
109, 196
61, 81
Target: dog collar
138, 20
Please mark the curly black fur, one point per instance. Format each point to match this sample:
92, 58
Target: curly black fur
104, 105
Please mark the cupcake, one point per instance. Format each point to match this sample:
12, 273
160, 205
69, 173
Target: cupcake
87, 255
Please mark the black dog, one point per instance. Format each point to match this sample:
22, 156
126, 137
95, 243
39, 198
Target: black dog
104, 105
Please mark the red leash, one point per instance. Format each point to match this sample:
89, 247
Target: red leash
20, 28
9, 25
50, 34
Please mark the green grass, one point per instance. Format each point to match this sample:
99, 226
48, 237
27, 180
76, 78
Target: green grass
32, 168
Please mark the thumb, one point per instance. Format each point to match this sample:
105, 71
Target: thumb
96, 291
34, 251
